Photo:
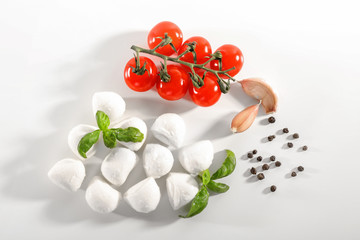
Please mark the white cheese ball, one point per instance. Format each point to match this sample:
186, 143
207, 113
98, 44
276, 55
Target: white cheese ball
75, 136
158, 160
117, 165
68, 174
137, 123
169, 128
197, 157
144, 196
181, 189
110, 103
101, 197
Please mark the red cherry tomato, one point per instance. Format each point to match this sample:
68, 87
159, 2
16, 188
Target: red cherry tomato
202, 50
159, 30
208, 94
231, 57
178, 85
144, 82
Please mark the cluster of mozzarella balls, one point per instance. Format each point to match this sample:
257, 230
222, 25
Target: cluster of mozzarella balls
102, 195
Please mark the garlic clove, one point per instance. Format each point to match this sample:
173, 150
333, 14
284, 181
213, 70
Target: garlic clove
158, 160
68, 174
144, 196
181, 189
110, 103
117, 165
101, 197
257, 88
75, 136
137, 123
196, 157
169, 128
244, 119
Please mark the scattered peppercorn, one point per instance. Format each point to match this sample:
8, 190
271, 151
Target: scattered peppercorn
304, 148
253, 170
272, 158
285, 130
290, 144
259, 158
271, 137
293, 174
277, 163
295, 135
273, 188
250, 155
260, 176
265, 167
300, 168
254, 151
271, 119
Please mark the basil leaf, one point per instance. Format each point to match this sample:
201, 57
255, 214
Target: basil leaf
198, 203
87, 142
217, 187
102, 120
205, 176
227, 167
130, 134
109, 137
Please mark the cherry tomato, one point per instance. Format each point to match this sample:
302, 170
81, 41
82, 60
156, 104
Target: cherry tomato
178, 85
144, 82
202, 50
231, 57
208, 94
159, 30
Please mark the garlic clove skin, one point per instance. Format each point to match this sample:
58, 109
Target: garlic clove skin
137, 123
158, 160
117, 165
257, 88
101, 197
144, 196
169, 128
243, 120
110, 103
68, 174
75, 136
196, 157
181, 189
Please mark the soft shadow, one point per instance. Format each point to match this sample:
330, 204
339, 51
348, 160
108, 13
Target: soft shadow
219, 129
266, 190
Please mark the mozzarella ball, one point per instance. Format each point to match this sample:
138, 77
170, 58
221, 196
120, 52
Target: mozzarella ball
181, 189
169, 128
117, 165
75, 136
144, 196
137, 123
110, 103
101, 197
67, 174
197, 157
158, 160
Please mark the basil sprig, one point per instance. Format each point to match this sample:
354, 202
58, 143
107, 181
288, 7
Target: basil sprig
201, 199
110, 136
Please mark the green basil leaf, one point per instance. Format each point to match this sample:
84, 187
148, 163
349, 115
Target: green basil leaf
227, 167
130, 134
198, 203
217, 187
205, 176
87, 141
109, 137
102, 120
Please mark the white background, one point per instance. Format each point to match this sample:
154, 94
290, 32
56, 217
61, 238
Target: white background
55, 54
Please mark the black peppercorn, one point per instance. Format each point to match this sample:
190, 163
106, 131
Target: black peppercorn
272, 158
271, 119
254, 151
277, 163
304, 148
253, 170
293, 174
265, 167
260, 176
300, 168
285, 130
271, 137
250, 155
290, 144
259, 158
295, 135
273, 188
